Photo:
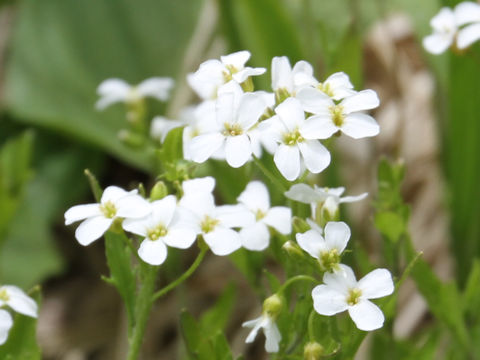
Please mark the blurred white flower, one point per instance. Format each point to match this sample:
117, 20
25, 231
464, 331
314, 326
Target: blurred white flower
256, 199
117, 90
213, 74
161, 126
160, 228
345, 116
286, 80
17, 300
326, 250
342, 291
444, 32
114, 203
296, 142
467, 13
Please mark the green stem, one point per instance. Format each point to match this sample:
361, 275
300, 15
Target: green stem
295, 279
142, 310
269, 175
311, 334
182, 278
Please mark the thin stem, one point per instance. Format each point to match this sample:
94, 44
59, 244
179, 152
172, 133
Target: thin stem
269, 175
142, 310
311, 317
295, 279
182, 278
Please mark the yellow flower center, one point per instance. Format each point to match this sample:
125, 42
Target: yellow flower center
337, 114
325, 88
108, 209
292, 138
329, 260
353, 296
157, 232
208, 224
4, 295
259, 215
227, 75
232, 130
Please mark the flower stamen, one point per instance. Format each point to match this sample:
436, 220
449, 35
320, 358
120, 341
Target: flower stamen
353, 297
108, 209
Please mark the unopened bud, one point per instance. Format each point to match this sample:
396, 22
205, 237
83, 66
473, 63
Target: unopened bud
272, 306
131, 139
159, 191
313, 351
300, 225
292, 249
330, 210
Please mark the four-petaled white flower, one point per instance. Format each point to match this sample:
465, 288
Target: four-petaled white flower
285, 80
329, 199
236, 114
213, 74
326, 250
337, 86
161, 228
444, 32
20, 302
467, 13
342, 291
117, 90
114, 203
270, 329
292, 132
214, 223
345, 116
255, 198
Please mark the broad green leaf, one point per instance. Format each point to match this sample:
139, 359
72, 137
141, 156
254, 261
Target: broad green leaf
221, 347
22, 342
53, 70
122, 274
471, 295
216, 318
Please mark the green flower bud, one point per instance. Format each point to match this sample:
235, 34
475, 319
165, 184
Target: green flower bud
272, 306
300, 225
313, 351
293, 250
159, 191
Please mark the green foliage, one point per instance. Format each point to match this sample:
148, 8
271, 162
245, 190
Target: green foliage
22, 341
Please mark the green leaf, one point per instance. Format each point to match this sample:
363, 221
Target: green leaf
221, 347
22, 341
471, 294
217, 317
122, 274
53, 71
390, 224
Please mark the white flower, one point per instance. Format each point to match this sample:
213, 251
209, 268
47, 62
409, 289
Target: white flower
214, 223
115, 203
160, 228
444, 32
6, 323
118, 90
329, 199
270, 329
345, 117
213, 74
337, 86
290, 129
161, 126
327, 250
256, 199
287, 80
236, 113
342, 291
467, 13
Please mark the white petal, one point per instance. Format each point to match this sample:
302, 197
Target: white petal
133, 206
200, 204
272, 338
256, 325
350, 199
202, 147
255, 237
198, 185
291, 113
315, 101
251, 107
342, 280
179, 237
157, 87
80, 212
161, 126
340, 85
6, 323
237, 150
281, 74
92, 229
360, 125
315, 155
467, 12
207, 79
376, 284
318, 127
437, 43
337, 235
21, 302
234, 216
468, 35
328, 301
366, 315
225, 108
113, 193
363, 100
112, 91
244, 74
163, 210
236, 59
287, 160
280, 218
137, 226
304, 194
255, 197
302, 67
153, 252
445, 19
312, 242
223, 241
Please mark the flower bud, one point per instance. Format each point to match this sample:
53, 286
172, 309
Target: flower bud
330, 211
159, 191
272, 306
313, 351
131, 139
300, 225
293, 250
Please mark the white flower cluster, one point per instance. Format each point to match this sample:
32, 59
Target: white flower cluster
178, 222
233, 122
18, 301
458, 28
